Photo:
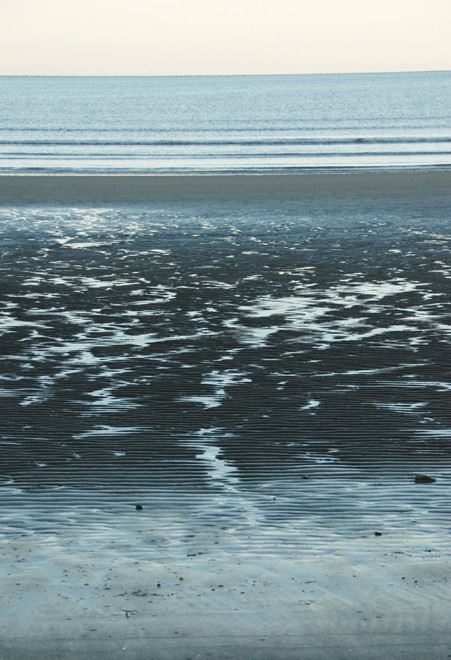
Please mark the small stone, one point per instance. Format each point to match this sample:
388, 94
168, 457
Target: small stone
139, 507
424, 479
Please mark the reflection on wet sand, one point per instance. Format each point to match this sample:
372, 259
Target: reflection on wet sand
229, 354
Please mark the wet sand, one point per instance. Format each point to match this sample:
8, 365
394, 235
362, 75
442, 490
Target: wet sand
262, 364
136, 189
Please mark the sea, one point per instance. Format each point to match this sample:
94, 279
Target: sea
276, 371
225, 124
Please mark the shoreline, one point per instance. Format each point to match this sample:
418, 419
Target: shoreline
136, 189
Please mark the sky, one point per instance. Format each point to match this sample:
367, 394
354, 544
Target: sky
222, 37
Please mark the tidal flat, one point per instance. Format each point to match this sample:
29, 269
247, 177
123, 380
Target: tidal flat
261, 363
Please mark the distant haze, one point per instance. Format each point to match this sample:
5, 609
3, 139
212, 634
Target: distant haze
183, 37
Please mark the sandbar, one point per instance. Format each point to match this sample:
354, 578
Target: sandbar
95, 190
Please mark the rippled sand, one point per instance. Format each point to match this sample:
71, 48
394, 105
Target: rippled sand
264, 378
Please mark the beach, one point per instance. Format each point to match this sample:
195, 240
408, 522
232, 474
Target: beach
217, 392
365, 598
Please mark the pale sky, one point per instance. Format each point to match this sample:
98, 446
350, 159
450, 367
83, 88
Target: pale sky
182, 37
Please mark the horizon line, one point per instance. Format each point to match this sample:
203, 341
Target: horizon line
213, 75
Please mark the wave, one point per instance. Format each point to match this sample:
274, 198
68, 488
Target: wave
233, 142
232, 157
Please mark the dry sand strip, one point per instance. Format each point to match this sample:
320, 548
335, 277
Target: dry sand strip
365, 598
72, 190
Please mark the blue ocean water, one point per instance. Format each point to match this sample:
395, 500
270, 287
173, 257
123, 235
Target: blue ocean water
225, 123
